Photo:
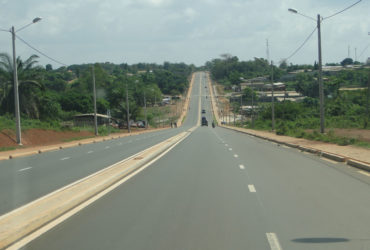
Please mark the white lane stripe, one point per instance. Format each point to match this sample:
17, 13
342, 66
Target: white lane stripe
236, 156
119, 144
90, 152
273, 241
24, 169
364, 173
65, 158
226, 145
230, 149
107, 147
241, 167
251, 188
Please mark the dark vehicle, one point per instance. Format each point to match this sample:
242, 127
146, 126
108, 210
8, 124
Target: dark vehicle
204, 121
213, 124
203, 111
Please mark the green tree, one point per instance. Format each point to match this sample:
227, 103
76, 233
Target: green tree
347, 61
29, 87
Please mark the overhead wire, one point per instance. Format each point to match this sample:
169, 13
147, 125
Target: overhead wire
29, 45
363, 51
342, 10
300, 47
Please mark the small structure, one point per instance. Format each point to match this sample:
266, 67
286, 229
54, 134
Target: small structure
88, 119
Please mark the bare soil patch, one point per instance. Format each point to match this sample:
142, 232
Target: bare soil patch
33, 137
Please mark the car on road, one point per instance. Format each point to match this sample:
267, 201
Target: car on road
204, 121
203, 111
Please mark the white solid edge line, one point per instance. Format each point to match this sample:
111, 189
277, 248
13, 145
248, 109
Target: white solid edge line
21, 243
24, 169
251, 188
364, 173
273, 241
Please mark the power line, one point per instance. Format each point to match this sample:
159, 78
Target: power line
300, 47
342, 10
363, 51
29, 45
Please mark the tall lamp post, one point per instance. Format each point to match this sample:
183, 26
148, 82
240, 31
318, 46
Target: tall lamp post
15, 80
128, 110
94, 94
146, 115
321, 89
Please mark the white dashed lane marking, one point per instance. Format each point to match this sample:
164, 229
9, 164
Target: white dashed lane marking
236, 156
65, 158
230, 149
89, 152
251, 188
273, 241
24, 169
241, 167
107, 147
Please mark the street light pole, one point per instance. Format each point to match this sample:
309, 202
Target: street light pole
146, 117
321, 88
16, 93
95, 113
128, 111
272, 98
15, 81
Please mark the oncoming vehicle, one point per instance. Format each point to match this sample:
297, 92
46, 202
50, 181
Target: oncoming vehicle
204, 121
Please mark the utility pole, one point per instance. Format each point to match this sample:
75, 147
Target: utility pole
128, 110
321, 89
94, 93
348, 51
272, 98
367, 102
234, 116
252, 106
16, 94
146, 116
241, 109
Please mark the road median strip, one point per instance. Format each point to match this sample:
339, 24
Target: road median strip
28, 218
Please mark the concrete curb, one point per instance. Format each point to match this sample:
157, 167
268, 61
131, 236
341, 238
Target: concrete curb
358, 164
28, 218
333, 157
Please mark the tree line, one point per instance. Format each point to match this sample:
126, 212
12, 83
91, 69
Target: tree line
58, 94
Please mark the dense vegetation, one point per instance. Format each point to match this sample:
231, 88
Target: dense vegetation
343, 109
56, 95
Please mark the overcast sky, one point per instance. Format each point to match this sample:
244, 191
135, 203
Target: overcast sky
190, 31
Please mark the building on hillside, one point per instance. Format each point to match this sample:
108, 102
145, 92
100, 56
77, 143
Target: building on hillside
277, 86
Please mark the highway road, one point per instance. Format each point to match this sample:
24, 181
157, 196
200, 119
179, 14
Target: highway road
221, 189
27, 178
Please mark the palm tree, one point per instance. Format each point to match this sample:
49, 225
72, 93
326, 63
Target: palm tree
27, 85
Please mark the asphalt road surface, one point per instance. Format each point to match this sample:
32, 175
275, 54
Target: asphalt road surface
220, 189
25, 179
